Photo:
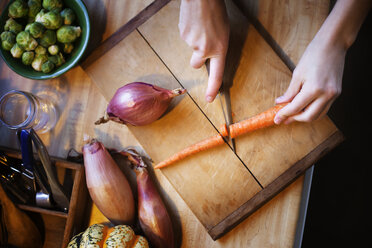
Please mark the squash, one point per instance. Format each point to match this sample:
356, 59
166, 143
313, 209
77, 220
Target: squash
102, 236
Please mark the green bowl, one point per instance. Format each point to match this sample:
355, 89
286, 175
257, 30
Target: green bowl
80, 45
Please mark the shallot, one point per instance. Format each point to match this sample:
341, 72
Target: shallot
152, 213
107, 184
139, 104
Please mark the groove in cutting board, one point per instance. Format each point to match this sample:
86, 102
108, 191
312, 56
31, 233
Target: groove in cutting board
201, 110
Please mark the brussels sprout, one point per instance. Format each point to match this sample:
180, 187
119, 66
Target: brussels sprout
7, 40
36, 29
51, 20
68, 34
53, 5
40, 50
34, 7
53, 49
6, 35
13, 26
48, 38
26, 41
28, 57
58, 59
39, 15
6, 45
47, 67
68, 16
38, 61
68, 47
16, 51
18, 9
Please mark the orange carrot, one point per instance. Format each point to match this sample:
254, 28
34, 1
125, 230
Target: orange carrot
193, 149
264, 119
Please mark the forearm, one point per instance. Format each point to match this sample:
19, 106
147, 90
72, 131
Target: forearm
343, 23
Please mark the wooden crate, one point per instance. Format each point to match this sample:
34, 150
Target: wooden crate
56, 226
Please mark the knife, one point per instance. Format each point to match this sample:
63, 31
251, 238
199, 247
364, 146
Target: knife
59, 195
225, 102
28, 162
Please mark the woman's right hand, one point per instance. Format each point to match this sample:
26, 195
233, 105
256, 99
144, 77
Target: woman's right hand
204, 26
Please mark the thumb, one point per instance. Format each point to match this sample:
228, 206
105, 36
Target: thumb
292, 90
217, 66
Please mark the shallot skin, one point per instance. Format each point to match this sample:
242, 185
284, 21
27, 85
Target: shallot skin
153, 216
107, 184
140, 103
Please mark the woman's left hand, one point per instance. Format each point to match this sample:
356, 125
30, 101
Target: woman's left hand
315, 84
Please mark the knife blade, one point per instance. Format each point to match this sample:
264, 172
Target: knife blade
59, 195
225, 102
227, 114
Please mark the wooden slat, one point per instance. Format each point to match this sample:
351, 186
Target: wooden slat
43, 211
291, 24
78, 201
124, 30
106, 17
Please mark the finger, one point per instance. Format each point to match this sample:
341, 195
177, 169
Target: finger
299, 102
311, 112
196, 60
293, 89
217, 66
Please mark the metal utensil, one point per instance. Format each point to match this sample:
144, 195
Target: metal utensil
225, 102
41, 187
227, 114
14, 181
58, 193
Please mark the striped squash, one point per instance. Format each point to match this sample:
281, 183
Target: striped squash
102, 236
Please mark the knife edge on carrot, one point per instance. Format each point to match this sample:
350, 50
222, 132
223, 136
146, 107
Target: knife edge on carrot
261, 120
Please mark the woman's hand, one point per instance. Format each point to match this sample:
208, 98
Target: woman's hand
204, 26
315, 84
317, 79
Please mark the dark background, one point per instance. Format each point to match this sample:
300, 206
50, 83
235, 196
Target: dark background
339, 210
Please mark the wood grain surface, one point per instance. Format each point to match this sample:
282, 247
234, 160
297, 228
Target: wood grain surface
260, 76
100, 48
108, 17
291, 24
272, 225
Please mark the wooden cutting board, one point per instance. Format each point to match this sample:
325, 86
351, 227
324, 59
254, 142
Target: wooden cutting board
217, 185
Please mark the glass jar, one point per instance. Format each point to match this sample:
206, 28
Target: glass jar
23, 110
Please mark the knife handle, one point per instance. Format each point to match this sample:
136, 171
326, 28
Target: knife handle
26, 149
